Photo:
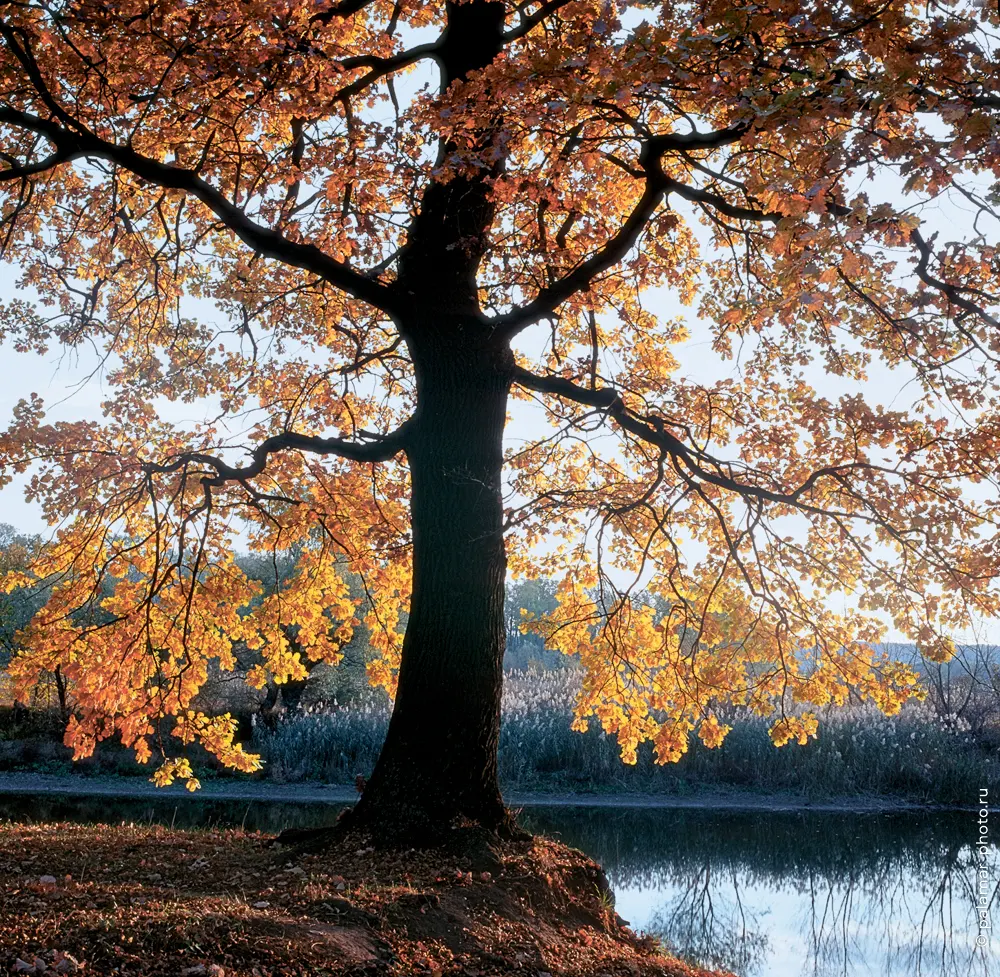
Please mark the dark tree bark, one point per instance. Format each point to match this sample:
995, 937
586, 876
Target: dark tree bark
439, 760
61, 692
282, 700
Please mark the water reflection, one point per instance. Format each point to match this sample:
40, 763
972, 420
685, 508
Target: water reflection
760, 894
819, 894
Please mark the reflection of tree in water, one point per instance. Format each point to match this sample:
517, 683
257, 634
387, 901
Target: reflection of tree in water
873, 894
715, 932
922, 922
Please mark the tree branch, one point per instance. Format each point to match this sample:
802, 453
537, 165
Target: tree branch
952, 292
657, 186
35, 169
343, 9
533, 20
723, 206
653, 432
263, 240
378, 448
380, 67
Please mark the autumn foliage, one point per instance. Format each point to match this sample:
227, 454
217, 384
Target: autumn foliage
351, 230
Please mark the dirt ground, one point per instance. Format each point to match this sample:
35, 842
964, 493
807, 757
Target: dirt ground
147, 900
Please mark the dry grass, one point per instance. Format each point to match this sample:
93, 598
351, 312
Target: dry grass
147, 900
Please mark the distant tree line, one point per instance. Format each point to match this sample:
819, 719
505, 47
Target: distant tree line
525, 599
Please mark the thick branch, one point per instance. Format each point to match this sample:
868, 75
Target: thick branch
343, 9
262, 239
657, 186
380, 67
35, 169
652, 431
376, 449
723, 206
530, 22
578, 280
952, 292
660, 144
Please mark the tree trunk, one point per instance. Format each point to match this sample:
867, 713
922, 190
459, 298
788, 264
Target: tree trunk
439, 760
61, 692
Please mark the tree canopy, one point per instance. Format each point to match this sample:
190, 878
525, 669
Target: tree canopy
352, 228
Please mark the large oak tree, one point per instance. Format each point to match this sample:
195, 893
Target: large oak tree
354, 230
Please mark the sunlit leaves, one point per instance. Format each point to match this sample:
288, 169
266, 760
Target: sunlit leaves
810, 186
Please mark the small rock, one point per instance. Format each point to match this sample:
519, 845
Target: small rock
47, 880
23, 967
261, 904
40, 965
154, 877
196, 971
341, 886
65, 963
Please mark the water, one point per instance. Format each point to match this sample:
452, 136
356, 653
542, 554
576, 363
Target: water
761, 894
788, 894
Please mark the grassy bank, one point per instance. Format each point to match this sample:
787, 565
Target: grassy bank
917, 755
150, 901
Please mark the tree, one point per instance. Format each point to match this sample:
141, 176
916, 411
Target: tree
357, 228
526, 601
19, 606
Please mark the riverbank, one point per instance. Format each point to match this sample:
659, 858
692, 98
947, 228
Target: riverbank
150, 901
264, 791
